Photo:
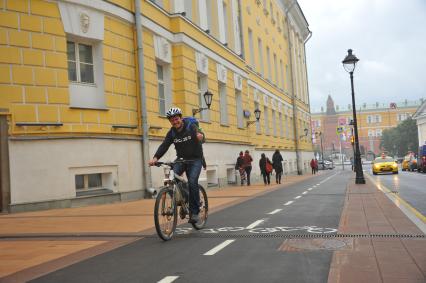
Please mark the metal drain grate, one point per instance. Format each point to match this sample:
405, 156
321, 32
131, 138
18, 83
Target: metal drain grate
302, 236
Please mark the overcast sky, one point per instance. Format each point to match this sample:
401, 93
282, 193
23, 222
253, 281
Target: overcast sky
389, 38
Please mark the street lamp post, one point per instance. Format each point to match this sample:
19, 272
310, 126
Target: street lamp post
349, 64
208, 99
256, 115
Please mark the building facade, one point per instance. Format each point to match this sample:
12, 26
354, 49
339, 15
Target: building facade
420, 117
372, 121
82, 105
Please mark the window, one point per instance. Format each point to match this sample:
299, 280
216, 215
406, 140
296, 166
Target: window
260, 55
188, 9
371, 133
378, 118
202, 88
239, 104
88, 181
287, 126
276, 69
369, 119
291, 129
256, 106
209, 15
274, 123
268, 58
223, 104
80, 62
287, 76
225, 23
250, 39
161, 91
158, 2
282, 75
378, 132
266, 119
271, 8
280, 123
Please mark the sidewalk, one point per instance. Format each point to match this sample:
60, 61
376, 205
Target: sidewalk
378, 258
99, 229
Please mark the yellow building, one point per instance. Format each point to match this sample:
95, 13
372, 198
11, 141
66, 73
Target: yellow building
372, 120
81, 113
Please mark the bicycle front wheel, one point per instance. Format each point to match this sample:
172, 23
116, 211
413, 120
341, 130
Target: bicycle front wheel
204, 209
165, 214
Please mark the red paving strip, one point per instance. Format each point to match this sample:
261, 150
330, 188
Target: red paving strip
377, 259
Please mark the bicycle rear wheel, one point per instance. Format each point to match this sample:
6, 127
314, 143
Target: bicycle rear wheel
204, 209
165, 214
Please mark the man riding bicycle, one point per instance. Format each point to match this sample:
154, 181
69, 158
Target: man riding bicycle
187, 141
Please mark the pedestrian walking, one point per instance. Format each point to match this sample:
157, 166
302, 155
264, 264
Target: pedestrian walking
247, 165
239, 166
313, 166
265, 166
278, 166
316, 166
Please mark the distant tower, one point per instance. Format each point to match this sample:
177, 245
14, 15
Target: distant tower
330, 106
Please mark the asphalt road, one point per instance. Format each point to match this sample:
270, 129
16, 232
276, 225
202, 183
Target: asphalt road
248, 242
410, 186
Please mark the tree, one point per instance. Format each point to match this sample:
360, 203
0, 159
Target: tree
401, 139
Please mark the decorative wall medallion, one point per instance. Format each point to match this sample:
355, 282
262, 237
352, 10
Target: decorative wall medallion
84, 22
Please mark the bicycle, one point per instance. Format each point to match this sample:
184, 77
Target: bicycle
172, 196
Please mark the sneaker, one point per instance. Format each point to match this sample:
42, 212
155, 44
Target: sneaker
194, 218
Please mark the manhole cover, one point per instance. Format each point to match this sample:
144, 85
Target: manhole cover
315, 244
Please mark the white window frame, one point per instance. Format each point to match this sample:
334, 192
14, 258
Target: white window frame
268, 62
282, 75
280, 122
258, 130
378, 132
77, 62
223, 104
260, 55
369, 120
266, 119
166, 82
251, 48
276, 69
202, 81
274, 123
287, 127
188, 9
239, 108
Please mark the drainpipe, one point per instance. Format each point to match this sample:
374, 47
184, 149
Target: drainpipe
307, 87
293, 96
4, 162
142, 93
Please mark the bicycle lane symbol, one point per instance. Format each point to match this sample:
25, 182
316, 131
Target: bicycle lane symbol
258, 230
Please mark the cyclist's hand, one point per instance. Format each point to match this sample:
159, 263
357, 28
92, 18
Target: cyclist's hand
200, 136
153, 161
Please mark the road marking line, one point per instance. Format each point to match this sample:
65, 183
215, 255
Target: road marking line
289, 202
304, 193
168, 279
219, 247
298, 197
310, 189
318, 184
255, 223
275, 211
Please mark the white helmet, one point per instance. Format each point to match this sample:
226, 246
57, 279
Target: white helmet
173, 112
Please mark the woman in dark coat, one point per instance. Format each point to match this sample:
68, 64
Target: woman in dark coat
240, 167
262, 164
278, 166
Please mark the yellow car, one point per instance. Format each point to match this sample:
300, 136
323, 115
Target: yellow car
384, 164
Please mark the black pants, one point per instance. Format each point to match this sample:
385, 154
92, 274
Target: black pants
248, 170
266, 178
278, 177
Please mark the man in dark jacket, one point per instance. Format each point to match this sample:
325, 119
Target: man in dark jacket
247, 165
187, 141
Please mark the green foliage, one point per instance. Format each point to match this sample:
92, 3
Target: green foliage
401, 139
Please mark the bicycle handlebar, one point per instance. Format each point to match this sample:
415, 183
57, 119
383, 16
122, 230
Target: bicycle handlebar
159, 163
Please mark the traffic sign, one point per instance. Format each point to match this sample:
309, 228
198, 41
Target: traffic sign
340, 130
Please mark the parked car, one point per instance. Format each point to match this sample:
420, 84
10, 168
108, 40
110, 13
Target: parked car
326, 165
410, 162
421, 160
384, 164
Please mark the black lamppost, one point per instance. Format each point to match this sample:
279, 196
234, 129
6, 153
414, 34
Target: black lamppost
208, 99
349, 64
256, 115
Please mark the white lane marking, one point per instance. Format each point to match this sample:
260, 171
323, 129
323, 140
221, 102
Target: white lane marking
318, 184
219, 247
304, 193
255, 223
314, 186
298, 197
310, 189
289, 202
168, 279
275, 211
